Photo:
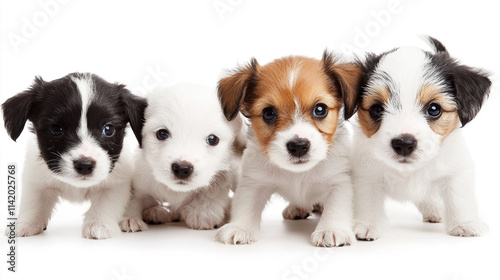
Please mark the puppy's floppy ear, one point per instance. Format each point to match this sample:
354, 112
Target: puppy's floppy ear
346, 78
471, 86
135, 108
235, 88
19, 108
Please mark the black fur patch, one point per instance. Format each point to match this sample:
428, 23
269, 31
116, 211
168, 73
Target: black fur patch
59, 103
369, 65
469, 86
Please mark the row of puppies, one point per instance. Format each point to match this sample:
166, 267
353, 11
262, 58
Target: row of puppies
409, 104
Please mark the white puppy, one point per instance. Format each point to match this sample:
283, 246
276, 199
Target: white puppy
77, 152
408, 144
189, 160
298, 144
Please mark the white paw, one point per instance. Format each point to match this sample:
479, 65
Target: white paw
431, 218
233, 234
157, 215
202, 218
468, 229
292, 212
430, 214
24, 229
367, 233
332, 237
99, 230
133, 225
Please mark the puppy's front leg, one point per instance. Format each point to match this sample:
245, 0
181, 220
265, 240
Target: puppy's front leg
335, 225
461, 208
369, 199
37, 204
246, 213
132, 220
207, 209
430, 207
103, 217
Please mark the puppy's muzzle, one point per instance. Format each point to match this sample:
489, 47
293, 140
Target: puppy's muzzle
404, 145
182, 170
298, 147
84, 165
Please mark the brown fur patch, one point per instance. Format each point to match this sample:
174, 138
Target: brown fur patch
346, 78
368, 125
310, 86
449, 118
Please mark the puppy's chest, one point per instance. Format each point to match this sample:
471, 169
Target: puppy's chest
302, 188
173, 198
73, 194
409, 186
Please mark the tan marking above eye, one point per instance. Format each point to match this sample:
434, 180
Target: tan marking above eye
378, 96
433, 94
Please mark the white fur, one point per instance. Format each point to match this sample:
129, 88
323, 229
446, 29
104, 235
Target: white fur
190, 113
439, 173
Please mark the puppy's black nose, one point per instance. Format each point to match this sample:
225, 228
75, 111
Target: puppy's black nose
298, 147
404, 145
84, 166
182, 170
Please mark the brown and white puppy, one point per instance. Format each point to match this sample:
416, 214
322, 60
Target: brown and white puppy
298, 146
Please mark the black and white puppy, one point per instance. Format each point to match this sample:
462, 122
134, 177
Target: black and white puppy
79, 124
408, 144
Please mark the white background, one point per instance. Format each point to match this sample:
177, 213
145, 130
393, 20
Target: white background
128, 41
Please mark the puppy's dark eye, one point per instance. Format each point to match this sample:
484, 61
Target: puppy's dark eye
212, 140
269, 115
108, 130
162, 134
320, 110
434, 111
376, 112
56, 130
